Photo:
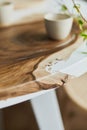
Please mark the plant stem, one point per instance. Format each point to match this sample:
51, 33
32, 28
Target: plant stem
79, 11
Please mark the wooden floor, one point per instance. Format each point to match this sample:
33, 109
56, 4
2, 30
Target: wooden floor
21, 117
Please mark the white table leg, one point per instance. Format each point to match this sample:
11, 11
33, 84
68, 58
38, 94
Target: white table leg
1, 120
47, 112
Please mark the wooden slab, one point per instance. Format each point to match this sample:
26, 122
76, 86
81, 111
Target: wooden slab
24, 53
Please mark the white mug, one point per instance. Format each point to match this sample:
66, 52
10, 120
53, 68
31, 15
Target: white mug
58, 26
6, 13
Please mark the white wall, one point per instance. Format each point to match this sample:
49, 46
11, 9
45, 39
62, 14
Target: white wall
53, 6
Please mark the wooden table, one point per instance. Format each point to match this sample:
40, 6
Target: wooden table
25, 51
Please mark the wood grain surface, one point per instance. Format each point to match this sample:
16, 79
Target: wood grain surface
24, 53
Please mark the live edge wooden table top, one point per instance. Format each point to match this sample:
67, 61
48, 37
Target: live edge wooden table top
25, 51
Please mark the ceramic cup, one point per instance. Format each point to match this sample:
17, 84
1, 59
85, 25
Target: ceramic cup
6, 13
58, 26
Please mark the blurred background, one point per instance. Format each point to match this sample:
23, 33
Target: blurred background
21, 117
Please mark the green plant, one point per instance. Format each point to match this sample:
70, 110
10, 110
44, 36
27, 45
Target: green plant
80, 18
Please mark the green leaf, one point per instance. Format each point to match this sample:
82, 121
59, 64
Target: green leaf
84, 35
64, 8
77, 7
84, 52
80, 22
